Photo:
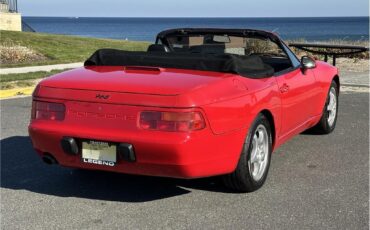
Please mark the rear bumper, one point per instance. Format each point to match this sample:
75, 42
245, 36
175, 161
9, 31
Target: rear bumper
180, 155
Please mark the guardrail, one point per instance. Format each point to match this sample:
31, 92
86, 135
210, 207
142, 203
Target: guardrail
342, 50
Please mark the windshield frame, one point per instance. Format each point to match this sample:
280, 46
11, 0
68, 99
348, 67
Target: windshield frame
246, 33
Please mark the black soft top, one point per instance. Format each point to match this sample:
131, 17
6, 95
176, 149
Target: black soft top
247, 66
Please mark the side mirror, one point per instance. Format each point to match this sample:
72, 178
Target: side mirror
308, 62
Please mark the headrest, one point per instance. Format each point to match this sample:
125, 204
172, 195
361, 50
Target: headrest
208, 49
157, 48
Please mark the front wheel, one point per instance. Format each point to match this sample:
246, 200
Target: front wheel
329, 116
251, 171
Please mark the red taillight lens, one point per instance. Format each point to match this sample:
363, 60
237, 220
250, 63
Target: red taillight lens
47, 111
171, 121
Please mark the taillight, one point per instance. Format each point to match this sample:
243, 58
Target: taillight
171, 121
48, 111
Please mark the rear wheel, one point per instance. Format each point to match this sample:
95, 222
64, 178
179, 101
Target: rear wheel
251, 171
329, 116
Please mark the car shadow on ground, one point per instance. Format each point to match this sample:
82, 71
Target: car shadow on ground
22, 169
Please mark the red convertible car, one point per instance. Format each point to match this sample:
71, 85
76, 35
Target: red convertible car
197, 103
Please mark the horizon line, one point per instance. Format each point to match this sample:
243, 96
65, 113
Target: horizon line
197, 16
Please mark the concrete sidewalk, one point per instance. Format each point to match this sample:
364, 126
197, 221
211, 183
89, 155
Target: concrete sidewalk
354, 78
46, 68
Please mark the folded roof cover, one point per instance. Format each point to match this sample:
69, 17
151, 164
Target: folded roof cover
247, 66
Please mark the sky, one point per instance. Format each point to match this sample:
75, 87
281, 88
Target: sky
194, 8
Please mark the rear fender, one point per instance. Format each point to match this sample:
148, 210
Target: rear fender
239, 113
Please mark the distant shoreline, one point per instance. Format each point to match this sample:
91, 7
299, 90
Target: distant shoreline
26, 16
146, 28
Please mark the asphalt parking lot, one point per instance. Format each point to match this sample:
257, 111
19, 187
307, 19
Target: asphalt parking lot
315, 182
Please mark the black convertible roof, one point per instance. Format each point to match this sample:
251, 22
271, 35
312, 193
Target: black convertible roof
247, 66
235, 32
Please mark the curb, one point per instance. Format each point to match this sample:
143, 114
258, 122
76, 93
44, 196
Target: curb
8, 93
355, 85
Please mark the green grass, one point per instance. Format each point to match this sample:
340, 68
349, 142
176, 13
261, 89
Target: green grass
58, 49
27, 76
10, 81
61, 48
16, 84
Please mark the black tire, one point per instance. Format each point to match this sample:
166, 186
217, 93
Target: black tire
241, 180
324, 127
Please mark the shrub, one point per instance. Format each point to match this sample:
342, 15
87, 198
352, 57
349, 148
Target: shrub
14, 53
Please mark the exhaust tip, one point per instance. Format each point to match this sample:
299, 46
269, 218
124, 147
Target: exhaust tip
49, 159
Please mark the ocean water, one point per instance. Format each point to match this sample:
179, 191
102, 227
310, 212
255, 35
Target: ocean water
145, 29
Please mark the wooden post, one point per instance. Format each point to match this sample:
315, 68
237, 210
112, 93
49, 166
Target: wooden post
334, 59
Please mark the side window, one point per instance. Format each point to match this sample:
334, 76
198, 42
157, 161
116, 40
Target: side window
263, 47
296, 63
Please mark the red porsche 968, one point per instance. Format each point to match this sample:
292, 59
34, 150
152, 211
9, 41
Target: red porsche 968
197, 103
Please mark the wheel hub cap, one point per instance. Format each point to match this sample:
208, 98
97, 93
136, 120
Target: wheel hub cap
259, 154
332, 106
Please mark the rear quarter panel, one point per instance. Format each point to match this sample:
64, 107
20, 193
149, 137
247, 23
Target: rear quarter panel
233, 104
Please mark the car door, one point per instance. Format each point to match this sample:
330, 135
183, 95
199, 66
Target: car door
298, 93
297, 96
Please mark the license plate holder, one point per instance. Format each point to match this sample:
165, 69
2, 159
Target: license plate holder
99, 152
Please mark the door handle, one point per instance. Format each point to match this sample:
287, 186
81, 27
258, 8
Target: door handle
284, 88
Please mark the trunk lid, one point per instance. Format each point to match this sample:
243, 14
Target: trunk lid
133, 80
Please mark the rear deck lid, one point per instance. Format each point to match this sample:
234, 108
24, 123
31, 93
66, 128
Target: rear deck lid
143, 86
136, 80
